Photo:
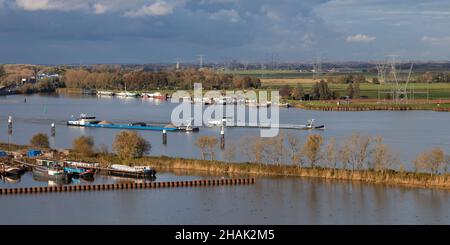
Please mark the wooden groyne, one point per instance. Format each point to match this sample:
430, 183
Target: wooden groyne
124, 186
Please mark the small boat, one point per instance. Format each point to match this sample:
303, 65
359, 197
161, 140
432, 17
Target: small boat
127, 94
221, 122
8, 170
56, 173
79, 172
310, 125
159, 96
81, 164
125, 170
287, 105
83, 120
105, 93
13, 171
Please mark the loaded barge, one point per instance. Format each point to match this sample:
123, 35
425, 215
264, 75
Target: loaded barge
89, 121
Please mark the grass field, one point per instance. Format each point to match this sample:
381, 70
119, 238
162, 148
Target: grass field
436, 90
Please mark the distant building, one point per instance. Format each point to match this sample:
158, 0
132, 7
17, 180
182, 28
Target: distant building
45, 75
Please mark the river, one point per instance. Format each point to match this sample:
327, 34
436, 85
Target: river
272, 200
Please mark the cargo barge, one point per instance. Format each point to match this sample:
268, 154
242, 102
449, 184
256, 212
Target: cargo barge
89, 121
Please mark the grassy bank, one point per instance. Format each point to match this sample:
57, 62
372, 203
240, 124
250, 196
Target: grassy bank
390, 177
436, 90
163, 163
369, 106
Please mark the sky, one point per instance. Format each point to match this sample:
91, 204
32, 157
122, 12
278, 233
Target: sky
149, 31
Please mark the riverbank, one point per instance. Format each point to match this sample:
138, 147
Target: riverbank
369, 106
390, 177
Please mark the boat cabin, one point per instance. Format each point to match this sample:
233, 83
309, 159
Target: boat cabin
47, 163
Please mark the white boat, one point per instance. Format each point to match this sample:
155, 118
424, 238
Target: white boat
50, 173
146, 170
105, 93
221, 122
127, 94
83, 120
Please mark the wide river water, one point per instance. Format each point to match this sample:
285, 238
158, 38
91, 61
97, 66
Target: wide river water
269, 201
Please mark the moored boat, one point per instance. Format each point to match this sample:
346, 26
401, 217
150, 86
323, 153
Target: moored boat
105, 93
79, 172
125, 170
56, 173
127, 94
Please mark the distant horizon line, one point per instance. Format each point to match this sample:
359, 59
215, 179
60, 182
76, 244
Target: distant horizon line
235, 62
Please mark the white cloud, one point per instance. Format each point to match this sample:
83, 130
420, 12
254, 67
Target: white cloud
158, 8
225, 14
100, 8
63, 5
360, 38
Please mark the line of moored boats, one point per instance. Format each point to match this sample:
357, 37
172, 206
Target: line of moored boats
59, 171
221, 100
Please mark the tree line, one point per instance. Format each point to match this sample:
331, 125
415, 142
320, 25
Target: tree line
149, 80
126, 145
357, 152
319, 91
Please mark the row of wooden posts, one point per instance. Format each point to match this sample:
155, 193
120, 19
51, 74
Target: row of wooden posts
123, 186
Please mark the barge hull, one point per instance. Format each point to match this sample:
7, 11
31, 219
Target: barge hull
125, 126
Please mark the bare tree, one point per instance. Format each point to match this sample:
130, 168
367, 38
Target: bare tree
332, 155
344, 154
275, 149
294, 149
356, 150
207, 146
202, 144
447, 163
383, 158
431, 160
252, 147
312, 148
229, 154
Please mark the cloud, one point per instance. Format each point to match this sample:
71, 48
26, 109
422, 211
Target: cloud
100, 8
225, 14
63, 5
360, 38
158, 8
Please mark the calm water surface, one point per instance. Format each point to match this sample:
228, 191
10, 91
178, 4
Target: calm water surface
269, 201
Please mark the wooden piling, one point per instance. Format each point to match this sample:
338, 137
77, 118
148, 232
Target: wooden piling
172, 184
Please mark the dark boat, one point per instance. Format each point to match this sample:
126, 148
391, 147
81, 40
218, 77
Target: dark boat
79, 172
11, 170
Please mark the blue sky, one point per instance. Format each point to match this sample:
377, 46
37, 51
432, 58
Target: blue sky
146, 31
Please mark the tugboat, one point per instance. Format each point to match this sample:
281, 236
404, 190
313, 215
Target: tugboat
83, 120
